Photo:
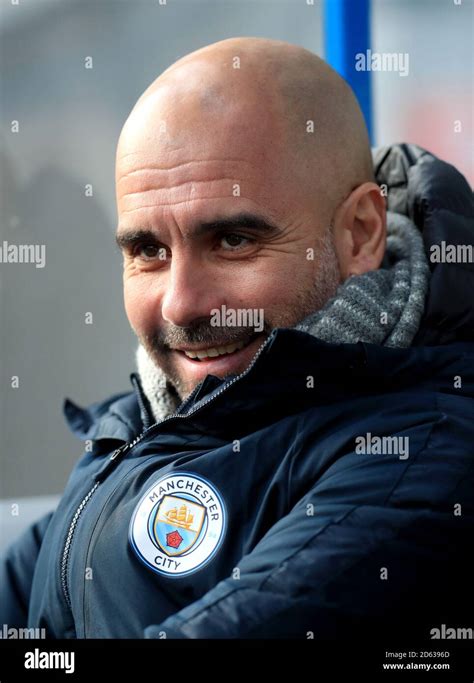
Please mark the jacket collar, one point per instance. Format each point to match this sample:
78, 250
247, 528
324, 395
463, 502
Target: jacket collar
439, 200
293, 372
116, 419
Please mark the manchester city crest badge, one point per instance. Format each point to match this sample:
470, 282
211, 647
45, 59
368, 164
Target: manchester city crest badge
178, 525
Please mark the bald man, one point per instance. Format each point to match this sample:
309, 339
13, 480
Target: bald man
295, 459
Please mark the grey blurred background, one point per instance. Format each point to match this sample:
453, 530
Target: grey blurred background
70, 118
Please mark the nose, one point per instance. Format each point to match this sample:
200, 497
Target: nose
190, 292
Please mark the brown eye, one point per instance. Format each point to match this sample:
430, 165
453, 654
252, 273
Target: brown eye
234, 241
147, 251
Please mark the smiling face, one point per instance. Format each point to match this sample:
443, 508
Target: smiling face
214, 211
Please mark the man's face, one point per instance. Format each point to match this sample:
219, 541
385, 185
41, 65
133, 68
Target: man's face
211, 215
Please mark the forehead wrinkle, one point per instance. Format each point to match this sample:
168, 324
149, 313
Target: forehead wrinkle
164, 177
160, 185
182, 164
176, 186
178, 203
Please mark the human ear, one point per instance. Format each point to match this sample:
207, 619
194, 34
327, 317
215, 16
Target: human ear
360, 230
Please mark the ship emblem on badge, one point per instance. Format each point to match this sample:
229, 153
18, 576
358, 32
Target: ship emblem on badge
178, 525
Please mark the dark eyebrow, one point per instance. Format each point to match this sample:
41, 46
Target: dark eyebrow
242, 220
129, 238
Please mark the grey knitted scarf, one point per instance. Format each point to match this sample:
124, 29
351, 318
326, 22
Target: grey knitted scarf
383, 307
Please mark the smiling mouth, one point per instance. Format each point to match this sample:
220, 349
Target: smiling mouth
199, 355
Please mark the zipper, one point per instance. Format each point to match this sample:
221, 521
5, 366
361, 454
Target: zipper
141, 401
118, 454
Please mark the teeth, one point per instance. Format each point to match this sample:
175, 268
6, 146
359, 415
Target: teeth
216, 351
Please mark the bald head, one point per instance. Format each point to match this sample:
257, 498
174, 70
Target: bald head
261, 91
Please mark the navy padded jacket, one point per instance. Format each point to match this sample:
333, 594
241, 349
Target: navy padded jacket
269, 522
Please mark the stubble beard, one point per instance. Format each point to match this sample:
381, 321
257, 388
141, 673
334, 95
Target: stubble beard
306, 301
